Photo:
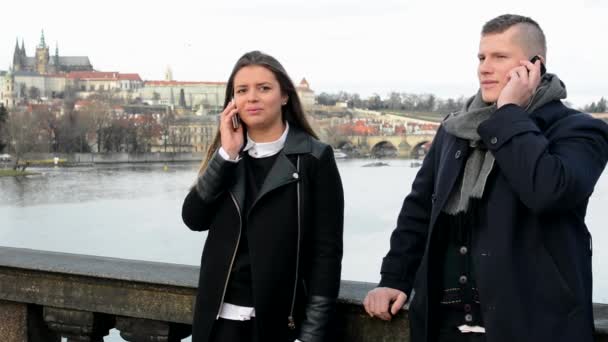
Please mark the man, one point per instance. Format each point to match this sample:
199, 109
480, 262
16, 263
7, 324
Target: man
491, 243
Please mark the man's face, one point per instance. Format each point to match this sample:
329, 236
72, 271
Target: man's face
498, 54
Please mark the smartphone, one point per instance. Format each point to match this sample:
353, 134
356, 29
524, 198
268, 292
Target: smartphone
543, 69
236, 122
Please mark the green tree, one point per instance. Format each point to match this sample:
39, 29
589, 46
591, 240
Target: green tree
34, 93
182, 98
601, 105
3, 117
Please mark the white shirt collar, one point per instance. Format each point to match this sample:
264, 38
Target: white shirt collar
267, 149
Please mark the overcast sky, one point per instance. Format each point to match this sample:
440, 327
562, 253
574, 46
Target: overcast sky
364, 46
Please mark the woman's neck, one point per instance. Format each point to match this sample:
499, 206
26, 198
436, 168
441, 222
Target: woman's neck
267, 134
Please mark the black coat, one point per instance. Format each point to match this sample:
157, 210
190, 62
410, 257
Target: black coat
294, 230
531, 250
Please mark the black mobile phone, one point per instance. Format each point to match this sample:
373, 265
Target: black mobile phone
543, 69
236, 122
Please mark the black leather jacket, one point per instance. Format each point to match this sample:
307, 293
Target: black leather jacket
294, 232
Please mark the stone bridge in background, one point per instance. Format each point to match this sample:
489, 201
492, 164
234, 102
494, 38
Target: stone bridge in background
406, 146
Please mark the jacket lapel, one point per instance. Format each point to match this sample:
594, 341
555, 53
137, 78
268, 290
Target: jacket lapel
450, 167
282, 172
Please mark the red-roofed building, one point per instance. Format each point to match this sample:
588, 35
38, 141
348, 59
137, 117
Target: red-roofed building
181, 83
91, 81
202, 97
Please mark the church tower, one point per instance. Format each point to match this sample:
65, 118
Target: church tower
42, 56
55, 67
168, 74
8, 91
17, 58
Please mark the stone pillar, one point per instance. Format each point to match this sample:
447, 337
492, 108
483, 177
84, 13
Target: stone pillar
146, 330
20, 322
81, 326
355, 325
14, 322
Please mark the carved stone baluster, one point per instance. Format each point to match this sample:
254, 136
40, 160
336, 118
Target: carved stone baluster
81, 326
146, 330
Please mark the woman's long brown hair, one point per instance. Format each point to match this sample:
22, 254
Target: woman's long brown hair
292, 112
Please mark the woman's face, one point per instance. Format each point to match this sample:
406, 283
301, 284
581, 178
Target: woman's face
258, 97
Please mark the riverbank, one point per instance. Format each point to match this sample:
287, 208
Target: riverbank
79, 159
72, 159
14, 173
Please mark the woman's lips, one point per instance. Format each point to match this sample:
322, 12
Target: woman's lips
253, 110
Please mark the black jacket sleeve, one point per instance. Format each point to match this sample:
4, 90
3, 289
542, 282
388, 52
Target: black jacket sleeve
408, 240
198, 209
556, 174
326, 249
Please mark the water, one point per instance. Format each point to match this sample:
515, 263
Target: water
134, 212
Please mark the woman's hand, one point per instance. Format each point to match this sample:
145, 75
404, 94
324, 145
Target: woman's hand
232, 139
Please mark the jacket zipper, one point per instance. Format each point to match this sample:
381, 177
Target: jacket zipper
233, 254
291, 323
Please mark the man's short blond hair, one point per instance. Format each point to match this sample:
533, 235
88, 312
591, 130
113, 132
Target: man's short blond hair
530, 36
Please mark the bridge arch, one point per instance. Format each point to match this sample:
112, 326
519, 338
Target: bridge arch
420, 149
384, 149
345, 144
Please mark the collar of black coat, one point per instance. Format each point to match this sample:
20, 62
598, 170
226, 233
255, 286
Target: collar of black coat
298, 141
282, 171
550, 113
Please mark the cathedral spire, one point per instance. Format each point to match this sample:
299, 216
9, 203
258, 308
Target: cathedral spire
22, 48
42, 42
17, 55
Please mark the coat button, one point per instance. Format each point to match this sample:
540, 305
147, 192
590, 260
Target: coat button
458, 154
295, 175
468, 318
494, 140
463, 250
467, 308
463, 279
433, 198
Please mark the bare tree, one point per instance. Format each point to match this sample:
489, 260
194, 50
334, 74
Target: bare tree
96, 116
22, 133
47, 121
147, 131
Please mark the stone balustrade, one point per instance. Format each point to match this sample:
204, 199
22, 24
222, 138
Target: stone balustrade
45, 296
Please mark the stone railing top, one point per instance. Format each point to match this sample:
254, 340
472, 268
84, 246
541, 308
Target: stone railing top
148, 272
166, 274
100, 267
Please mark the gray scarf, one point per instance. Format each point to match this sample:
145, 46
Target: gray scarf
479, 164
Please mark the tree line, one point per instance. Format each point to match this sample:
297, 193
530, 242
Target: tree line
97, 126
395, 101
409, 102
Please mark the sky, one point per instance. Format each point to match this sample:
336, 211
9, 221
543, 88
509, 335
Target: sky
363, 46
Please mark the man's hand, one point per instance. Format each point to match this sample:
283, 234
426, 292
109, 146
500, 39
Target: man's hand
522, 84
378, 300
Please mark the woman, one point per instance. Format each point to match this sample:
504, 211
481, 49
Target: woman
270, 196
